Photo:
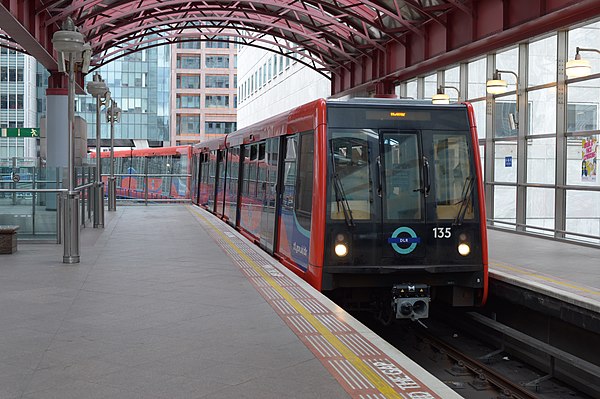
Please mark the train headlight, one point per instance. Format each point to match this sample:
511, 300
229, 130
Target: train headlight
464, 249
341, 250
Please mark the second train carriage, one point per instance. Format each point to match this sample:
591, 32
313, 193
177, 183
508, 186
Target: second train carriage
375, 201
163, 169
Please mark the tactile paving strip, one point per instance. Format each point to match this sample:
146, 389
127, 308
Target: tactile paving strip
361, 368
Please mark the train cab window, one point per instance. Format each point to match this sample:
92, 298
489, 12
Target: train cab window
453, 178
351, 176
402, 176
305, 180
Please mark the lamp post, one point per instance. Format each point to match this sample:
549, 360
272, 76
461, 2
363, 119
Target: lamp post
113, 114
497, 85
97, 88
70, 45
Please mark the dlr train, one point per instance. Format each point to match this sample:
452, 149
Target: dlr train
376, 202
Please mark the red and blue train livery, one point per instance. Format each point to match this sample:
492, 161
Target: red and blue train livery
377, 202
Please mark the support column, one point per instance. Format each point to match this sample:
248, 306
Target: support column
56, 139
521, 216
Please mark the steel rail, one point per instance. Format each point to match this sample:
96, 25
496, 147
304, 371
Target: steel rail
504, 385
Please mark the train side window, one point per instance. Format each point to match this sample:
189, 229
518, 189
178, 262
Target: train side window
252, 171
262, 172
304, 188
245, 170
289, 173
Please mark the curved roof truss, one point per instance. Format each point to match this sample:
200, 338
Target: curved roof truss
330, 34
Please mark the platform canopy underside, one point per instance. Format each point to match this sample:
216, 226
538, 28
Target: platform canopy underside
353, 42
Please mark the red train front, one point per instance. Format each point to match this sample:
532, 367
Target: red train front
378, 202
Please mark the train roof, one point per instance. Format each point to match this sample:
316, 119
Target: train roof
372, 102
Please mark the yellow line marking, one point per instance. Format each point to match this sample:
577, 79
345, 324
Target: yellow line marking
549, 279
378, 382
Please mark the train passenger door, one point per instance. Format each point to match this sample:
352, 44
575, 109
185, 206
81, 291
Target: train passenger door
195, 183
220, 183
268, 220
403, 185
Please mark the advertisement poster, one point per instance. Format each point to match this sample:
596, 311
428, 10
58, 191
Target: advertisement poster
589, 149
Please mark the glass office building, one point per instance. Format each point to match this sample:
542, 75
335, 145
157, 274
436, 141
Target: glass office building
17, 102
139, 82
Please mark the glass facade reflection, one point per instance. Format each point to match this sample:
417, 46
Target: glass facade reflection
139, 82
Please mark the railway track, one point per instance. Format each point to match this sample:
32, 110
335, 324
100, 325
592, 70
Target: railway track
482, 358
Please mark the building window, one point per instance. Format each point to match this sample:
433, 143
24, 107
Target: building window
188, 101
188, 62
219, 127
218, 42
188, 124
217, 101
217, 81
217, 61
189, 45
581, 117
269, 70
188, 81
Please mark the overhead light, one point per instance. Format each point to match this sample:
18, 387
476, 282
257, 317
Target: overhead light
497, 85
441, 97
579, 67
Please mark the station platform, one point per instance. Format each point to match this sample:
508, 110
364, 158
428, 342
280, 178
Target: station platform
565, 271
156, 310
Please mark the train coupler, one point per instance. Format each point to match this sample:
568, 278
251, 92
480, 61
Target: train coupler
411, 301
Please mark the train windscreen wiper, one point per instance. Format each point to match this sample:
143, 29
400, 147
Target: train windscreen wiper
340, 196
465, 200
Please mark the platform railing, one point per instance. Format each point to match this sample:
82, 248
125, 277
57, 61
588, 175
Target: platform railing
545, 232
30, 198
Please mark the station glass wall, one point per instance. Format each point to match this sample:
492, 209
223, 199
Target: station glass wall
541, 176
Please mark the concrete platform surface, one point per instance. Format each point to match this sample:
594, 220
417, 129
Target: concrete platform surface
566, 271
156, 309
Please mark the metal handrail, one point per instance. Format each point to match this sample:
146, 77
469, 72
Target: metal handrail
151, 175
33, 190
493, 223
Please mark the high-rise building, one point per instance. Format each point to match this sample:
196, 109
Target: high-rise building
139, 82
204, 98
271, 83
17, 102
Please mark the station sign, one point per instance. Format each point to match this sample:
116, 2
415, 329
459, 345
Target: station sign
20, 132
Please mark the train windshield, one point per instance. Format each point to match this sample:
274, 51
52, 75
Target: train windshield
396, 175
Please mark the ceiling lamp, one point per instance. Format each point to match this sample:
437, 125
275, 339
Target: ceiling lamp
579, 67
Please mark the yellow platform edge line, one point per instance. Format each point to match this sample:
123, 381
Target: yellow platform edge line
378, 382
549, 279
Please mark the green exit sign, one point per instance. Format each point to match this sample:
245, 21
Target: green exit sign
20, 132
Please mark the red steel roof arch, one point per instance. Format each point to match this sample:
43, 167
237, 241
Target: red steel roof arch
340, 29
131, 47
335, 31
359, 43
127, 32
